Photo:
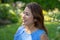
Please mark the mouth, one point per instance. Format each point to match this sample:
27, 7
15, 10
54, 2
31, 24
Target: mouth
24, 21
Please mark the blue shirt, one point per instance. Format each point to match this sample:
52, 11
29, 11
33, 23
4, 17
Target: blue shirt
22, 35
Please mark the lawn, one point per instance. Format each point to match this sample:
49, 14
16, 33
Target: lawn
53, 30
7, 32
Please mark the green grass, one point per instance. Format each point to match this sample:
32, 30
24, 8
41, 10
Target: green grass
7, 32
52, 30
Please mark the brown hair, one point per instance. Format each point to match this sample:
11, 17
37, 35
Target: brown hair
37, 14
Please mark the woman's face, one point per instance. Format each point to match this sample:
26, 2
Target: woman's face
27, 17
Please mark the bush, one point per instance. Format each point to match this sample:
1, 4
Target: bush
7, 13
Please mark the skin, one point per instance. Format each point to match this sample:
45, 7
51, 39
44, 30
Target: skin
44, 37
27, 17
28, 22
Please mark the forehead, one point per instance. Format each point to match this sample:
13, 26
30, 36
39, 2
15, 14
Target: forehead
27, 9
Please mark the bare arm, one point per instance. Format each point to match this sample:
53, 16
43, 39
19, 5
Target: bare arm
44, 37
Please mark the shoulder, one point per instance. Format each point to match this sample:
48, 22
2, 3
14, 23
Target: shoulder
19, 30
44, 37
41, 32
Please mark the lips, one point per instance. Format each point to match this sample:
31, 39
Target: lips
24, 20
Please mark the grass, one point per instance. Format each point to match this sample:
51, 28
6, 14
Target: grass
52, 30
7, 32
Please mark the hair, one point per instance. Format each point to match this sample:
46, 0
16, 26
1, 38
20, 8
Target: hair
37, 14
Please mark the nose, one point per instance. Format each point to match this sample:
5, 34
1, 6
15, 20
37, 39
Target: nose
23, 16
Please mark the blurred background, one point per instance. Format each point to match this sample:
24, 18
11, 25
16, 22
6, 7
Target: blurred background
10, 18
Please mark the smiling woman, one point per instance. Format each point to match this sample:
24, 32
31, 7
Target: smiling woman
33, 24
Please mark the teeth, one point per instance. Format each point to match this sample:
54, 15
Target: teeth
24, 20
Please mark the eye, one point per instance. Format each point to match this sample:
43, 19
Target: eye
27, 13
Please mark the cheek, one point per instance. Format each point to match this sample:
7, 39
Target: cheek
30, 19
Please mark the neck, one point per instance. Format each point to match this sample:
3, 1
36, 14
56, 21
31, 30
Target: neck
29, 29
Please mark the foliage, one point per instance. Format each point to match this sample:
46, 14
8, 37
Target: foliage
46, 4
47, 18
55, 14
7, 13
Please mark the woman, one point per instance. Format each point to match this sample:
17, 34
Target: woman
33, 24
